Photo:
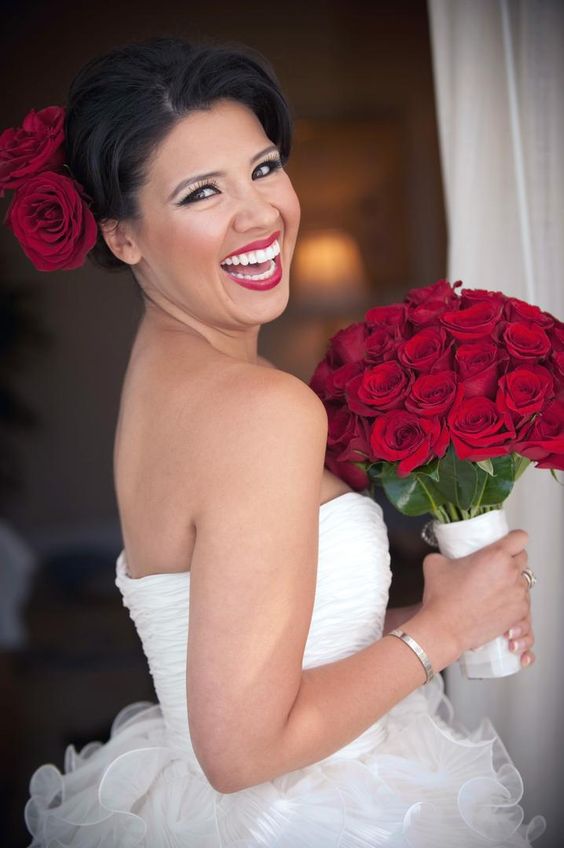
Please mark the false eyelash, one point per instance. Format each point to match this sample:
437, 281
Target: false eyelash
274, 161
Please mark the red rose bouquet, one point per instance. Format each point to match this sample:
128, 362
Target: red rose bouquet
443, 400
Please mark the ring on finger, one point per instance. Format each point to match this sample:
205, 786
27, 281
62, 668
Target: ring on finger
530, 577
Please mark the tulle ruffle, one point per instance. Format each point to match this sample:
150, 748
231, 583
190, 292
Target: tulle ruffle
429, 783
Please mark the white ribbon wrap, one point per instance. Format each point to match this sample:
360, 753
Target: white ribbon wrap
457, 539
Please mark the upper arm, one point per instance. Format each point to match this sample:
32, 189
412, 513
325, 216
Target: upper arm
253, 570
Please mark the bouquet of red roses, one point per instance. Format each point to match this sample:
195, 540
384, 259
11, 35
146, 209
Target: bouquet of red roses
444, 400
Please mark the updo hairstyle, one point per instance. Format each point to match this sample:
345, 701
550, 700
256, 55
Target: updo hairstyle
122, 105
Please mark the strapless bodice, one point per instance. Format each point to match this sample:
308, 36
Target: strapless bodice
353, 579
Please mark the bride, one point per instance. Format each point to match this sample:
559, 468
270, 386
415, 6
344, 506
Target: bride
258, 581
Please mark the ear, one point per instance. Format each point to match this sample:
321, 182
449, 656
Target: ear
120, 240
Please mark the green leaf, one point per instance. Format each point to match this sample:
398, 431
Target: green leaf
411, 495
553, 472
486, 465
374, 471
458, 480
520, 463
430, 470
498, 488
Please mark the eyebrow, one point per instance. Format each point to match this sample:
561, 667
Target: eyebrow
211, 174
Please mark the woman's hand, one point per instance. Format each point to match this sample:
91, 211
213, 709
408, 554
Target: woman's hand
521, 638
481, 596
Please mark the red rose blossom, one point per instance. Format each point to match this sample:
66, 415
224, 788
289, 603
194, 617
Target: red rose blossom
393, 317
346, 431
433, 394
525, 390
518, 310
347, 345
380, 345
526, 341
330, 383
38, 145
441, 291
479, 365
475, 322
544, 442
407, 438
429, 349
356, 478
378, 388
52, 222
479, 429
468, 297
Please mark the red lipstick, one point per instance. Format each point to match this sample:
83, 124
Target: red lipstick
254, 245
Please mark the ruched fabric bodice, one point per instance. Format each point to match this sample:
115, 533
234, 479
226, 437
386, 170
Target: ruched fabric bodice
416, 778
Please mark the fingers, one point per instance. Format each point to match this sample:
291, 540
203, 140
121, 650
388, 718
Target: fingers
514, 541
521, 639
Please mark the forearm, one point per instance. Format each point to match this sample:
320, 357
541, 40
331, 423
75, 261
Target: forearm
338, 701
396, 616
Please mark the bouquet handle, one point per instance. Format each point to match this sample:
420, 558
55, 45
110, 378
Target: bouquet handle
457, 539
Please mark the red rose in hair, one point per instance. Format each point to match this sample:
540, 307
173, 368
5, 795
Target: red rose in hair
347, 345
408, 438
427, 350
479, 365
518, 310
525, 390
393, 317
432, 394
479, 429
544, 442
441, 291
526, 341
382, 387
38, 145
52, 222
475, 322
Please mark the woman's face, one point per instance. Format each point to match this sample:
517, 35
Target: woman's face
216, 191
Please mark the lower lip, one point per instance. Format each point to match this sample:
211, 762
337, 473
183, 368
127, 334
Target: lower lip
260, 285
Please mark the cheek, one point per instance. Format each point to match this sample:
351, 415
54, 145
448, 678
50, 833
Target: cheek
289, 205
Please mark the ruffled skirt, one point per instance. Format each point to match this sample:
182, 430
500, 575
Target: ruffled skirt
429, 783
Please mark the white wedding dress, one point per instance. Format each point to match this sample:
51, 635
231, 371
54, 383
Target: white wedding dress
415, 778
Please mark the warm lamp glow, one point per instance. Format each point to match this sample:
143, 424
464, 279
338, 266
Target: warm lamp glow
327, 264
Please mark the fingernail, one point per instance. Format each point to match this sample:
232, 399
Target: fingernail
514, 632
518, 645
527, 661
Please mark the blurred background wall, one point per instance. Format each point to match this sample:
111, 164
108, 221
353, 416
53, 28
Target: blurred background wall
366, 166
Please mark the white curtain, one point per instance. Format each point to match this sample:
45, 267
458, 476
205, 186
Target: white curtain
499, 79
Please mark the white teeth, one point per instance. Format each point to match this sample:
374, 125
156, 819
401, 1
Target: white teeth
263, 276
254, 256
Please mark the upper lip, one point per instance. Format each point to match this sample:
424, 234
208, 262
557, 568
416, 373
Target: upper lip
254, 245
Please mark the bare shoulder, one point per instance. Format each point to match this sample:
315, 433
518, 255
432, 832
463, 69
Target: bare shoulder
252, 411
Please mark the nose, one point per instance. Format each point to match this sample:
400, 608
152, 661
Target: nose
255, 211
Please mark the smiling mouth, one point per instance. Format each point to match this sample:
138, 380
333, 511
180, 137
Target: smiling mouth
256, 269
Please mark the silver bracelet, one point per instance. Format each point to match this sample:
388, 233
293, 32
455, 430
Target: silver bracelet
416, 647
